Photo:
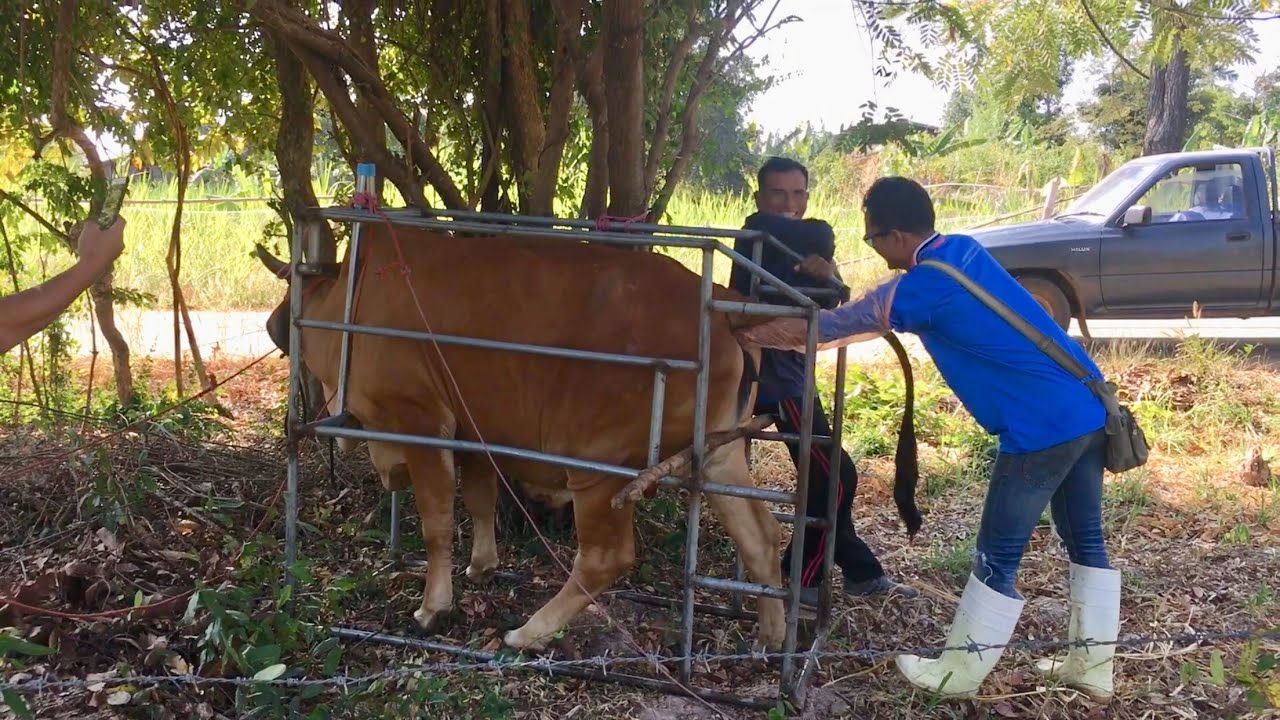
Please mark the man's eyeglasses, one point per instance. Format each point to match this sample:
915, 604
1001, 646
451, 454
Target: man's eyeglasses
872, 237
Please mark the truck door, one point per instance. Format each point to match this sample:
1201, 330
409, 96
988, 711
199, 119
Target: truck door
1203, 243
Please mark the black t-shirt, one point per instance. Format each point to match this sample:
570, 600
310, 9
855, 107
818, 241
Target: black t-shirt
782, 371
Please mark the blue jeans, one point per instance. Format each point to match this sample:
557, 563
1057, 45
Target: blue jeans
1068, 477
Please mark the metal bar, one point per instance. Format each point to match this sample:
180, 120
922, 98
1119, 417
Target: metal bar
331, 420
353, 272
539, 220
742, 491
469, 446
810, 663
395, 523
802, 501
757, 255
773, 280
612, 238
812, 292
790, 437
697, 466
789, 518
580, 672
655, 416
749, 588
500, 345
605, 237
729, 306
295, 389
733, 613
833, 481
739, 575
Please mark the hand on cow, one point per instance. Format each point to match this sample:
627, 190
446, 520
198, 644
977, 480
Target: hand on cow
816, 266
784, 333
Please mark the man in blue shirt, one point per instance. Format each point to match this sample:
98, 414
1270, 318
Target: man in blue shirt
781, 201
1049, 424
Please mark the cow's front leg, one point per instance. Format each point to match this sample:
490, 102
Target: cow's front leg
432, 474
606, 550
756, 534
480, 496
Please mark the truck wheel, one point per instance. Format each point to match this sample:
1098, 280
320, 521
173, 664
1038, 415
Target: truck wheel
1050, 296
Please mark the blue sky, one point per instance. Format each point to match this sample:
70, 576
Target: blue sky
825, 68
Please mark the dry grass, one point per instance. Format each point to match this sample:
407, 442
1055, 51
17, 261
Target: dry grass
1200, 552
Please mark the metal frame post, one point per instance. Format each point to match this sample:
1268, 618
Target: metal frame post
693, 522
295, 390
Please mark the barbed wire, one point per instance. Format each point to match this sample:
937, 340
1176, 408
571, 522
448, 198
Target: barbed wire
604, 663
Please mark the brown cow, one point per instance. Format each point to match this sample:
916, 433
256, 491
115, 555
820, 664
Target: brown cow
567, 295
570, 295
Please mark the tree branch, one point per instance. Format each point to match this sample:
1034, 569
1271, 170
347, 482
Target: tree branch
1107, 41
658, 144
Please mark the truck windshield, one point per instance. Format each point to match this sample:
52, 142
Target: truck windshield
1104, 198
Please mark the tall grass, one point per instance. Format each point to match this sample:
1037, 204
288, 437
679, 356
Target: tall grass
220, 273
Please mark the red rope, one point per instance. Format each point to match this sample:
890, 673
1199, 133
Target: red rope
602, 222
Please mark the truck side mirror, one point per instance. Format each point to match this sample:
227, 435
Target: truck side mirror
1136, 215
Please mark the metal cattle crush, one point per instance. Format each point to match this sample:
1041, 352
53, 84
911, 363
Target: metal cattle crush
794, 675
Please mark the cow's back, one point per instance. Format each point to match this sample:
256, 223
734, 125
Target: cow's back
558, 294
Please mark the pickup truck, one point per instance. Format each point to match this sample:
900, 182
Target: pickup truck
1163, 236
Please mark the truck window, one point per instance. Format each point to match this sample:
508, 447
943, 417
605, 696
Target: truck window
1197, 194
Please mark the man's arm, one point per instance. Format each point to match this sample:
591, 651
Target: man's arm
26, 313
866, 318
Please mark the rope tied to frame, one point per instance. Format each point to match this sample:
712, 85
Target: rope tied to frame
602, 222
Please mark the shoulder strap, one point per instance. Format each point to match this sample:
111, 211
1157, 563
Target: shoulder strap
1039, 339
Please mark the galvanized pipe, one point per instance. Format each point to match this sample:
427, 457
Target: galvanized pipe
500, 345
802, 499
749, 492
833, 482
730, 306
698, 464
749, 588
655, 416
293, 469
395, 523
733, 613
820, 440
469, 446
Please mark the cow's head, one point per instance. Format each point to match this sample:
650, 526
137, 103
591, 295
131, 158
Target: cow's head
278, 324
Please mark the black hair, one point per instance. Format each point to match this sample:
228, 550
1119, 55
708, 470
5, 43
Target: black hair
898, 203
777, 164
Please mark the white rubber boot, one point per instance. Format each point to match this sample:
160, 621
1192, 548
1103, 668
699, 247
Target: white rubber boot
984, 617
1095, 615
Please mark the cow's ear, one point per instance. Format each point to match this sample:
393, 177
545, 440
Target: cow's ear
278, 267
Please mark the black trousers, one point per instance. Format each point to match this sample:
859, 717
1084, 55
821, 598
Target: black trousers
852, 554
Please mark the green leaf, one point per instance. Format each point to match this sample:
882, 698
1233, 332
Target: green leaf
1217, 671
271, 672
10, 644
332, 659
311, 691
285, 593
17, 704
1265, 663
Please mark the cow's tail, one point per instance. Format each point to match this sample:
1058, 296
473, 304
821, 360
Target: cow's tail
906, 460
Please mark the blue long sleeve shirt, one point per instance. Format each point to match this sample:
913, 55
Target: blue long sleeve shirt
1010, 386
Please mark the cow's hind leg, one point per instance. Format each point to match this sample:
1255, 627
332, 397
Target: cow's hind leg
606, 550
755, 532
480, 496
433, 484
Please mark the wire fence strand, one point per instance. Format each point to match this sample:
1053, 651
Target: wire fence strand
603, 664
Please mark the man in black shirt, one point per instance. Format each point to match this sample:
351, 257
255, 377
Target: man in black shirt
781, 200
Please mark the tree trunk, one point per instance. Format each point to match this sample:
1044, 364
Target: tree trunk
1167, 104
101, 291
623, 38
491, 108
595, 198
522, 110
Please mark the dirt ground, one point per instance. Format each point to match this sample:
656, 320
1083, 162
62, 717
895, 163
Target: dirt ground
144, 517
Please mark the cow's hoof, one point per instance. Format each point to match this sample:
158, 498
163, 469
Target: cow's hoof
516, 639
481, 572
429, 620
